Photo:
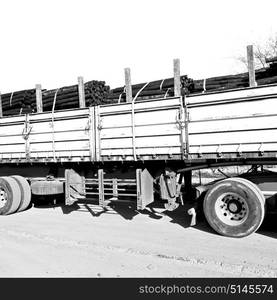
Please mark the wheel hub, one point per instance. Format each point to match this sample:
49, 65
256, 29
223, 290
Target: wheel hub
231, 208
3, 198
234, 206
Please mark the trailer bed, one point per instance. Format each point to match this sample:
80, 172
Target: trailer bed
231, 124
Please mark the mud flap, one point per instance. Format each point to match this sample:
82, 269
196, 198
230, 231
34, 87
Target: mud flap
145, 188
74, 186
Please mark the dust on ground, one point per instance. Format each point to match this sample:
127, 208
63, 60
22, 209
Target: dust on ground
86, 241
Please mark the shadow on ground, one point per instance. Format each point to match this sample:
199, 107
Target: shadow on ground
154, 211
127, 211
269, 226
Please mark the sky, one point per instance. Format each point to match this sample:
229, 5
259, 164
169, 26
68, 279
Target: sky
52, 42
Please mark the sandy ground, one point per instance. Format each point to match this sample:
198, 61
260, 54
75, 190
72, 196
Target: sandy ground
84, 241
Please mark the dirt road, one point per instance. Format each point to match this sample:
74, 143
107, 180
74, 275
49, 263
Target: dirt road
85, 242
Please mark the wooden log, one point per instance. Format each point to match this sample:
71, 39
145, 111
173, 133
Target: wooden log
271, 59
269, 80
1, 111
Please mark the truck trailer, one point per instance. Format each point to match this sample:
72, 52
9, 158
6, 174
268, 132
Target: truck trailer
131, 151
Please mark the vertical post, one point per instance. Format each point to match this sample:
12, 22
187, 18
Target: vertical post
115, 190
177, 81
39, 98
1, 110
128, 84
251, 67
101, 187
81, 89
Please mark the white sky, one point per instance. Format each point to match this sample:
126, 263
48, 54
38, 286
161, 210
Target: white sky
53, 41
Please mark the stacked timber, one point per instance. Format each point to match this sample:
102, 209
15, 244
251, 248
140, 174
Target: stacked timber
17, 103
96, 92
264, 76
165, 88
23, 102
153, 89
270, 60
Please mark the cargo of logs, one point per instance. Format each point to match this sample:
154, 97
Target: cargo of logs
165, 88
153, 89
20, 102
97, 92
263, 76
23, 102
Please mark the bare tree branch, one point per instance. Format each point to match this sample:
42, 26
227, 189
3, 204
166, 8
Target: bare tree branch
261, 52
243, 60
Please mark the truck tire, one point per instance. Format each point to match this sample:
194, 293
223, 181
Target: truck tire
234, 207
25, 192
253, 185
10, 195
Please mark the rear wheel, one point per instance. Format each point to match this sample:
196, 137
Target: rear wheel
234, 207
10, 195
25, 192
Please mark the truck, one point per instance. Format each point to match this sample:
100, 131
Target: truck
129, 152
